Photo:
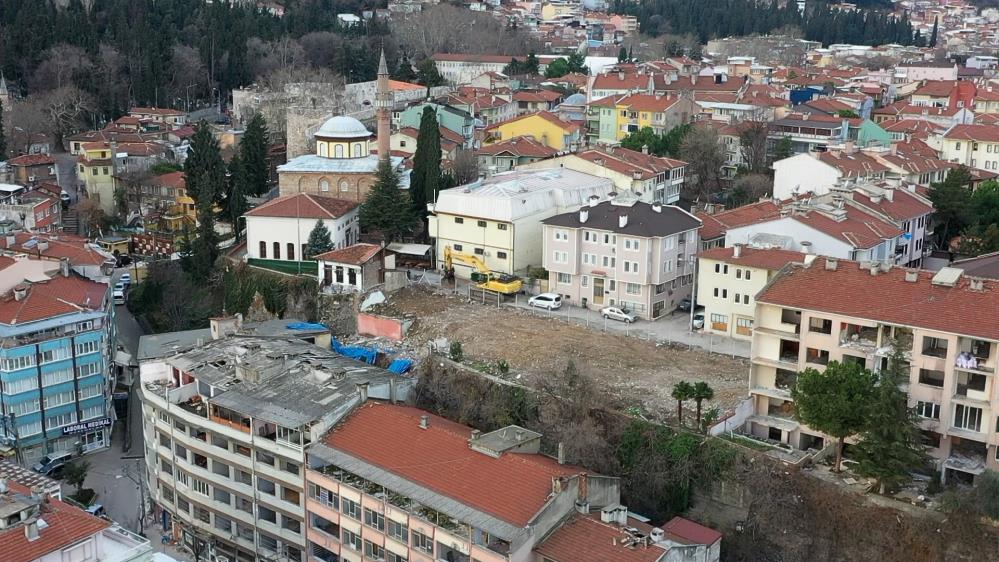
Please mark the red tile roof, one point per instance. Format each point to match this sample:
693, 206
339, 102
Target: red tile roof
690, 532
717, 224
398, 85
546, 115
621, 81
626, 161
155, 111
303, 205
859, 229
75, 248
772, 258
887, 297
32, 160
936, 88
513, 487
648, 102
831, 107
536, 96
852, 165
585, 537
358, 254
984, 133
66, 525
903, 205
170, 179
518, 146
55, 297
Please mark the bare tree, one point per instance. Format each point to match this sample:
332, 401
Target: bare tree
110, 79
753, 144
749, 188
321, 48
189, 74
266, 57
65, 108
465, 166
449, 29
704, 157
60, 66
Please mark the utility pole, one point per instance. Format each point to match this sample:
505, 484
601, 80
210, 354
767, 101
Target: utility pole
140, 482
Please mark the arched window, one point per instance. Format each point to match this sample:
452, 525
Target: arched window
324, 184
263, 250
357, 150
344, 186
277, 250
291, 251
338, 151
324, 149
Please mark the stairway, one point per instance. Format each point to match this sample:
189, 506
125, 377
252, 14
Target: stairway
70, 222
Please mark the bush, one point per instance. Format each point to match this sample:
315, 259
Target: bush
455, 352
503, 367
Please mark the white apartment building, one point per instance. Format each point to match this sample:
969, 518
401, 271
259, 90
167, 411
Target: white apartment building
280, 228
975, 146
834, 310
499, 218
227, 414
728, 280
623, 253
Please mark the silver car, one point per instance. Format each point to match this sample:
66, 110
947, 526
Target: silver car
698, 322
551, 301
620, 314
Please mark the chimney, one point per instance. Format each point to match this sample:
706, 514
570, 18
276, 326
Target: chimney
912, 275
806, 247
424, 421
645, 149
594, 200
21, 292
584, 215
875, 268
561, 452
831, 264
519, 435
475, 434
620, 76
737, 251
11, 239
64, 266
31, 530
657, 208
393, 398
622, 220
849, 147
43, 245
362, 391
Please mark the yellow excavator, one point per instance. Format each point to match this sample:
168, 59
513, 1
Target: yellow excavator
483, 277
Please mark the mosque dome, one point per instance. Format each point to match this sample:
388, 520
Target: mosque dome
343, 127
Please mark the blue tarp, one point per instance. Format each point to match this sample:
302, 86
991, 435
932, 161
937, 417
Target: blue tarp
305, 326
400, 366
359, 352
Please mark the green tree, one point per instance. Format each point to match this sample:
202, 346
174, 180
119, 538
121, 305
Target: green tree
253, 156
952, 204
622, 54
427, 73
557, 68
404, 71
235, 193
425, 179
847, 114
531, 64
933, 34
984, 204
783, 149
700, 392
835, 401
319, 242
890, 448
204, 172
387, 209
577, 64
75, 474
682, 391
979, 239
667, 144
513, 68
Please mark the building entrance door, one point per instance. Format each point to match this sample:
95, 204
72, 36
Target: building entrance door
598, 290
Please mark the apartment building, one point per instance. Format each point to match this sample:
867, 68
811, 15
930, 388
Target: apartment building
432, 489
37, 527
544, 126
228, 413
498, 218
728, 280
654, 179
624, 253
612, 118
56, 338
835, 310
975, 146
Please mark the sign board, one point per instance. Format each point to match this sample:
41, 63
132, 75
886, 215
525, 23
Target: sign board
86, 426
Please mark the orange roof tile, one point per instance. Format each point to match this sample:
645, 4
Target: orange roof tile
984, 133
772, 258
718, 224
518, 146
887, 297
303, 205
66, 525
690, 532
513, 487
584, 537
546, 115
55, 297
357, 254
76, 249
31, 160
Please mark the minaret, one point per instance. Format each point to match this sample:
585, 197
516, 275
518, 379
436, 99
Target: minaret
383, 107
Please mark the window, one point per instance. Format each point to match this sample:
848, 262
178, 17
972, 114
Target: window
24, 408
326, 497
266, 486
223, 524
199, 486
351, 508
501, 255
56, 354
351, 540
935, 347
266, 514
563, 279
747, 275
816, 356
738, 298
967, 417
393, 557
291, 496
83, 348
21, 385
631, 266
277, 250
56, 377
293, 525
221, 468
60, 420
244, 504
561, 235
58, 399
585, 281
561, 257
481, 224
931, 378
398, 531
590, 259
265, 458
820, 325
90, 391
738, 274
501, 225
632, 288
324, 185
459, 220
15, 363
631, 244
220, 442
928, 410
479, 251
291, 251
268, 542
374, 551
719, 322
608, 261
457, 247
423, 542
222, 496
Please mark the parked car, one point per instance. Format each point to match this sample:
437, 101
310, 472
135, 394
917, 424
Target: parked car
698, 321
685, 304
126, 280
620, 314
551, 301
65, 198
118, 293
52, 463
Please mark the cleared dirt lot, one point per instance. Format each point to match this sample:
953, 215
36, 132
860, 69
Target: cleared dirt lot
636, 370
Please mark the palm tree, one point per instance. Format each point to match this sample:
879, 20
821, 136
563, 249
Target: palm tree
701, 391
683, 390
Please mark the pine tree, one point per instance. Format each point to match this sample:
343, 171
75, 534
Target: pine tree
404, 72
428, 75
425, 179
531, 64
320, 241
235, 194
622, 54
933, 34
386, 209
890, 448
253, 154
204, 172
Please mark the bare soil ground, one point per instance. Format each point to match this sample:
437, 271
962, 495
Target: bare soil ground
637, 371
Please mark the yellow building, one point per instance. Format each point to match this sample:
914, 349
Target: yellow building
544, 126
95, 169
612, 118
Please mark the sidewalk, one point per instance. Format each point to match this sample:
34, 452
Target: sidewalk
671, 329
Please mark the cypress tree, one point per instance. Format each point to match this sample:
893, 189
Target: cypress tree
933, 34
319, 242
386, 209
253, 155
235, 193
622, 54
204, 172
428, 75
425, 179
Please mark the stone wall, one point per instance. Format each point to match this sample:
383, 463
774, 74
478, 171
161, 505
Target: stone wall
339, 312
357, 185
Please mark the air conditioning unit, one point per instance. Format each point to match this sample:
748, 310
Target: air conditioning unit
31, 178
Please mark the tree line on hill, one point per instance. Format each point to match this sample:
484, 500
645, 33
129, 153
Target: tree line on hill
707, 19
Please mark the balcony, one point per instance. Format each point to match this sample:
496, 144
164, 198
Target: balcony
934, 347
974, 356
973, 387
862, 338
817, 356
784, 334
